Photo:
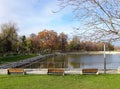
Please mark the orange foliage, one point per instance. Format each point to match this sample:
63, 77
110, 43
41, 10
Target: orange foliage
47, 39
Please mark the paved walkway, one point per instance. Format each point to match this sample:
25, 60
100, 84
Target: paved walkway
23, 62
67, 71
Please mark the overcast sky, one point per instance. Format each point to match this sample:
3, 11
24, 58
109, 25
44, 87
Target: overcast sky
33, 16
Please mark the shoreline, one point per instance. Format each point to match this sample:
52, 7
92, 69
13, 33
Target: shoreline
93, 52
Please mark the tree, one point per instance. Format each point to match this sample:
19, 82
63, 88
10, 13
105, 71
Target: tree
22, 45
75, 43
35, 43
8, 37
29, 45
100, 18
62, 41
47, 39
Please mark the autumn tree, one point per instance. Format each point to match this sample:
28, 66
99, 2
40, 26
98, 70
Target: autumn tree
96, 46
47, 39
8, 37
29, 45
74, 44
63, 41
22, 44
109, 47
33, 43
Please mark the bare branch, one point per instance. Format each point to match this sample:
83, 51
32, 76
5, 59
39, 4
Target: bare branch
100, 18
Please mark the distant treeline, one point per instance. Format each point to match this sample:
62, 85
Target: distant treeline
45, 41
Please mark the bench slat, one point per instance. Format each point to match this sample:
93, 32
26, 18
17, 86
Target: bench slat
15, 70
56, 71
90, 71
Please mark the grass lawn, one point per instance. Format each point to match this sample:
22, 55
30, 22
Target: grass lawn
15, 58
60, 82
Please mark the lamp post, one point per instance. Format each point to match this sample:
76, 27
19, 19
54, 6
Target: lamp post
104, 59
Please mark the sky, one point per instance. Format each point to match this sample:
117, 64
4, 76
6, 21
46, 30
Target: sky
33, 16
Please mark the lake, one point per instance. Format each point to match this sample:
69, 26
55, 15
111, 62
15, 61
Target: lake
78, 61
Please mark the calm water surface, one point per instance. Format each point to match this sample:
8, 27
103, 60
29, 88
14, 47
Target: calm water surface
79, 61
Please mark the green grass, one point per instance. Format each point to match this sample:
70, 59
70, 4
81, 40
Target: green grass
60, 82
15, 58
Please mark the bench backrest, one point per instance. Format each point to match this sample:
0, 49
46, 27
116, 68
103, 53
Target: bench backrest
89, 70
55, 70
15, 70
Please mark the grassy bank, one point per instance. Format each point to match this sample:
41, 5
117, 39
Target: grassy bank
16, 58
59, 82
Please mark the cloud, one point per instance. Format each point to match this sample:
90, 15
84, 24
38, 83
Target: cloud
33, 16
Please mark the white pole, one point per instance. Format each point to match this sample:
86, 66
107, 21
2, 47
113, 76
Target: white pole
104, 52
104, 59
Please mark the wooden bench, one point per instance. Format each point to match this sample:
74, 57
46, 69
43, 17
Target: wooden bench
90, 71
56, 71
16, 71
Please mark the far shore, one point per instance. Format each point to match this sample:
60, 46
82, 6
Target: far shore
94, 52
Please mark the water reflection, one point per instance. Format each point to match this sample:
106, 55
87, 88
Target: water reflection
78, 61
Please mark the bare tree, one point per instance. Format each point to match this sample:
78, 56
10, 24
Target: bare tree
100, 19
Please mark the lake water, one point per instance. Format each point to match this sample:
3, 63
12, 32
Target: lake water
79, 61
